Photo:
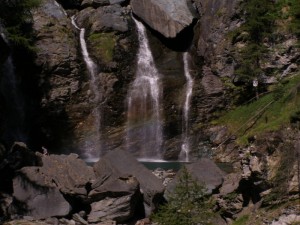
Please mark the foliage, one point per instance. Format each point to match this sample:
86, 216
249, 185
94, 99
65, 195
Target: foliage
268, 113
242, 220
280, 181
259, 16
292, 13
187, 205
103, 44
16, 16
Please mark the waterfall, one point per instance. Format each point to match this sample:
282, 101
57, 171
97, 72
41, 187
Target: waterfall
13, 102
185, 147
144, 126
92, 144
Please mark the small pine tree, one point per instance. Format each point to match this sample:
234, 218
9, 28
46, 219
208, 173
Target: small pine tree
187, 205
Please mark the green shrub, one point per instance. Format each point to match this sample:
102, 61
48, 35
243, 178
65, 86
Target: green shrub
187, 204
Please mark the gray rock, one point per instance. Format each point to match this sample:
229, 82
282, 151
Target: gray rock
207, 172
112, 2
103, 19
114, 196
69, 173
120, 162
211, 83
41, 189
41, 201
287, 219
117, 209
98, 3
167, 17
231, 183
86, 3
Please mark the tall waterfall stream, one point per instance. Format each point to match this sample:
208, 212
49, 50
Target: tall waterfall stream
144, 125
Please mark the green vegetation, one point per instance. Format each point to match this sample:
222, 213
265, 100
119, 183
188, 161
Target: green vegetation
242, 220
187, 205
268, 113
103, 44
259, 16
280, 182
290, 11
16, 16
264, 22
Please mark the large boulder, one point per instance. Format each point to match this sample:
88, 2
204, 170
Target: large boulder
207, 172
118, 199
38, 201
118, 163
69, 173
114, 196
167, 17
41, 190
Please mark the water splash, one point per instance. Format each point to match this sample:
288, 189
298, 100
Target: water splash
144, 125
92, 143
185, 147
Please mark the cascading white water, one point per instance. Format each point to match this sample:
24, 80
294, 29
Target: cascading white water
185, 147
92, 147
13, 101
144, 126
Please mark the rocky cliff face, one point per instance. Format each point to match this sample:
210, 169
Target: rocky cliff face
64, 79
61, 80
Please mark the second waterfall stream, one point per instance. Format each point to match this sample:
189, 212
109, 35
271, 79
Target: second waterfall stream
91, 149
185, 146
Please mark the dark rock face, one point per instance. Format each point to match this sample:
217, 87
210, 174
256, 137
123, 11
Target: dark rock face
217, 19
119, 162
66, 113
168, 18
60, 81
16, 158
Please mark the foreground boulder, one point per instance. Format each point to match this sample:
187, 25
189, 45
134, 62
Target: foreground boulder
118, 163
114, 197
40, 189
40, 201
167, 17
205, 172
